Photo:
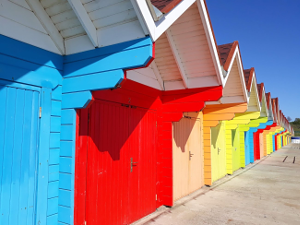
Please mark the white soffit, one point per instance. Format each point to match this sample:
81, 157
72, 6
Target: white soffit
264, 106
70, 26
235, 90
254, 103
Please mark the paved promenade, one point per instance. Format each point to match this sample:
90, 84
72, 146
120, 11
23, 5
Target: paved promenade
266, 192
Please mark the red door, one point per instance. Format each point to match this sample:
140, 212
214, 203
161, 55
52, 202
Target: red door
256, 146
121, 164
142, 178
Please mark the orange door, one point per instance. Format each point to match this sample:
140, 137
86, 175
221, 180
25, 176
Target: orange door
261, 143
188, 172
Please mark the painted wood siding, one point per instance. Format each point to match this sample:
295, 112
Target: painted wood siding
252, 105
114, 17
66, 166
110, 13
189, 36
165, 60
233, 87
19, 22
63, 17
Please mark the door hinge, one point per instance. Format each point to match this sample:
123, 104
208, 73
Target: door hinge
156, 123
40, 112
156, 197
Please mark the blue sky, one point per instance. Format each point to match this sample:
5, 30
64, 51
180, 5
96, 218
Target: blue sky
268, 32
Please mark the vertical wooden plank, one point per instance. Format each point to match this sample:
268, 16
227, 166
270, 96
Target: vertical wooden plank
16, 156
214, 152
181, 132
33, 158
222, 144
25, 165
261, 145
44, 144
80, 167
229, 151
8, 149
3, 111
3, 103
196, 159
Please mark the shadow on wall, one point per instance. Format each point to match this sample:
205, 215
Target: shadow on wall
181, 133
125, 117
215, 133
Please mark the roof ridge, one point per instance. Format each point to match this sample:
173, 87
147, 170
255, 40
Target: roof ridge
226, 52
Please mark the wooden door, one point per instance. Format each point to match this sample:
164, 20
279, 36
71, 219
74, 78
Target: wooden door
121, 164
181, 155
218, 151
215, 135
222, 154
196, 170
187, 157
247, 150
142, 176
19, 134
236, 150
256, 146
261, 145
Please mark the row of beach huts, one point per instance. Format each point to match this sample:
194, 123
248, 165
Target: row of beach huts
113, 108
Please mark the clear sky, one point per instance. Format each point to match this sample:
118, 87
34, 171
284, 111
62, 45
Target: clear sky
268, 32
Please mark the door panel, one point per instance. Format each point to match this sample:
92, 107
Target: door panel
196, 176
108, 164
19, 125
142, 178
236, 150
222, 154
247, 150
261, 145
214, 152
116, 192
187, 156
181, 132
218, 151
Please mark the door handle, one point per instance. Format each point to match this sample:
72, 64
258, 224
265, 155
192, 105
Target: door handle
131, 164
190, 155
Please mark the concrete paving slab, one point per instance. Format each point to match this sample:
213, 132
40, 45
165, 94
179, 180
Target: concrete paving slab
266, 192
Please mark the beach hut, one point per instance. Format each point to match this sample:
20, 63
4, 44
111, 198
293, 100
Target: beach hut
234, 100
